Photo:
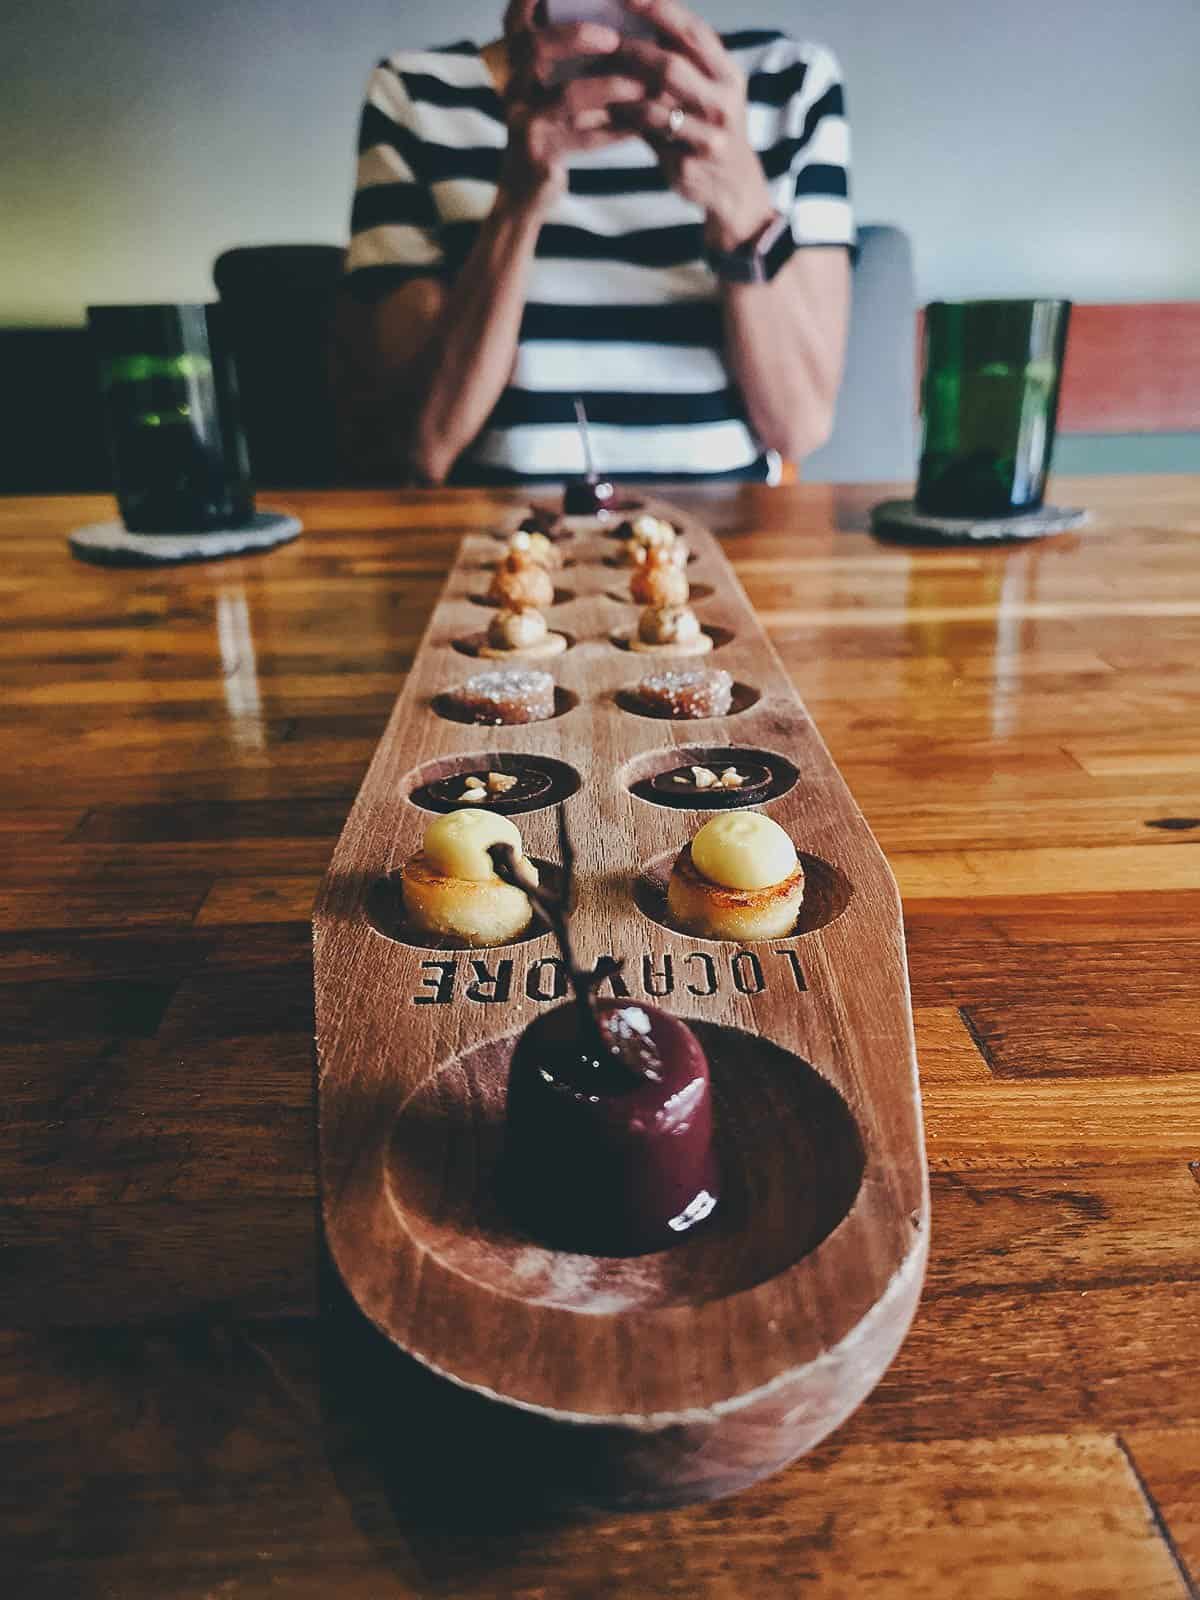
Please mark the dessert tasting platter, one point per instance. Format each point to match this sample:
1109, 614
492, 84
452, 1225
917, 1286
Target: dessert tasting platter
620, 1118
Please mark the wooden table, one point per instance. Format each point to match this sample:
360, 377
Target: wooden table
180, 748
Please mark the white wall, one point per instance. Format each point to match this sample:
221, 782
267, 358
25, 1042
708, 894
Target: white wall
1028, 145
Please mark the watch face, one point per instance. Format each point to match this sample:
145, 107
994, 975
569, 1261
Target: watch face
744, 268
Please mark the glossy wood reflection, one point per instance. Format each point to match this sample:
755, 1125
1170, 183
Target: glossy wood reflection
179, 752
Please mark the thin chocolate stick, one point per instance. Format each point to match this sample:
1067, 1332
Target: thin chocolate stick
552, 909
581, 422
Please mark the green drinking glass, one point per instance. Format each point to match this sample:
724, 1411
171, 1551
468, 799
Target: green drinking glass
989, 405
179, 456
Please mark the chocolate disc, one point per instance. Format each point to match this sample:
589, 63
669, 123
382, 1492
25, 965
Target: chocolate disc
531, 786
680, 783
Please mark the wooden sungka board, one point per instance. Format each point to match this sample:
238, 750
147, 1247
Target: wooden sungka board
686, 1374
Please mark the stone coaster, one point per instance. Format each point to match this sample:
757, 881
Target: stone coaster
900, 521
111, 544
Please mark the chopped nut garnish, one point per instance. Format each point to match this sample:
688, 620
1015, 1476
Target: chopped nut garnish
704, 777
473, 796
501, 782
474, 783
731, 778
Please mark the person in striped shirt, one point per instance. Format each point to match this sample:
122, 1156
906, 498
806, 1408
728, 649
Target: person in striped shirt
665, 234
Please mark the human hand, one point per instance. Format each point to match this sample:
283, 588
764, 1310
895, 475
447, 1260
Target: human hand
694, 116
549, 119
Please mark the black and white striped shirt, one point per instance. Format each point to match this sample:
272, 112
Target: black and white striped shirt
622, 308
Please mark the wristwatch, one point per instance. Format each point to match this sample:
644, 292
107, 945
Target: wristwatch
760, 258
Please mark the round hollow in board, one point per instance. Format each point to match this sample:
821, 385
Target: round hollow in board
436, 785
827, 893
790, 1154
643, 774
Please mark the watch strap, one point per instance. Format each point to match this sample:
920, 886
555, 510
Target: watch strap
760, 258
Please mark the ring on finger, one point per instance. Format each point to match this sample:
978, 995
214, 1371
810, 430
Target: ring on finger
675, 121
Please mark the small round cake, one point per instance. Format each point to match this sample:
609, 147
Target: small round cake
521, 584
684, 693
503, 696
520, 635
517, 630
451, 889
670, 631
740, 878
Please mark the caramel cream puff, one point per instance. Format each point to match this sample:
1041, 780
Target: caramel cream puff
648, 533
520, 584
451, 888
659, 580
740, 878
649, 530
520, 635
537, 547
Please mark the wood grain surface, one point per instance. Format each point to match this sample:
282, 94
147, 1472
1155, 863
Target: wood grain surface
181, 750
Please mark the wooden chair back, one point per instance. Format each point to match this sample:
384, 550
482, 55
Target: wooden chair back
1132, 369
